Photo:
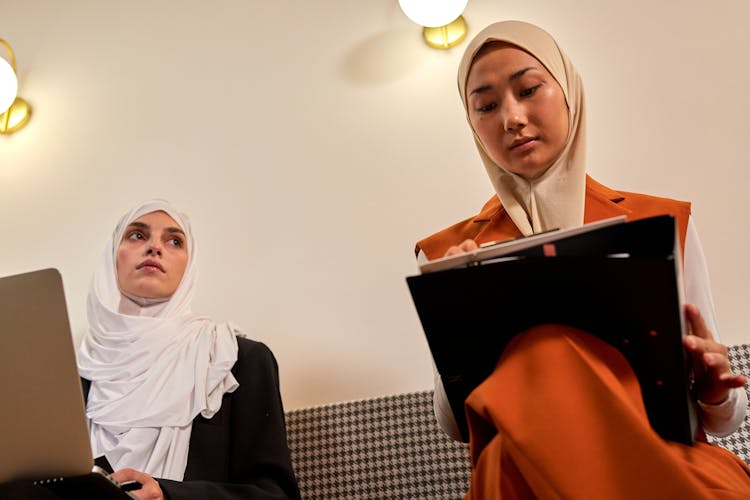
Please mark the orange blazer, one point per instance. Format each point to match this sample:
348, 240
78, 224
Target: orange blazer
494, 224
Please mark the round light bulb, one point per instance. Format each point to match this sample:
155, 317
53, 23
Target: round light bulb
432, 13
8, 85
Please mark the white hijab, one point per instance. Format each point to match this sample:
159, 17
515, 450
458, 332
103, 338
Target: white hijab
555, 199
154, 368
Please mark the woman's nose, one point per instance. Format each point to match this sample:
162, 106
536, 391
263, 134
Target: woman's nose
153, 249
514, 117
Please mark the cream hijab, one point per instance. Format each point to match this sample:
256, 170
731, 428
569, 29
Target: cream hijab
556, 198
153, 365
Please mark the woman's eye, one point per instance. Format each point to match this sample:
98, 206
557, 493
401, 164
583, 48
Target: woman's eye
136, 235
486, 108
529, 91
176, 242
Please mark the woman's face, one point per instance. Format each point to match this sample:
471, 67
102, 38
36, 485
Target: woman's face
152, 256
517, 109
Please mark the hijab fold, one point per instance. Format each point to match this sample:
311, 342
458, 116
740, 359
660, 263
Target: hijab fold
555, 199
153, 364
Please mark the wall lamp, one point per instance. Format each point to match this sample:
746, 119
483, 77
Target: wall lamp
443, 25
14, 111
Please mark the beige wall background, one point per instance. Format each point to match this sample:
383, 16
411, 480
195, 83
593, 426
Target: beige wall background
313, 142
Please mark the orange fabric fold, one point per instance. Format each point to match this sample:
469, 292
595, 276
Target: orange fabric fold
562, 417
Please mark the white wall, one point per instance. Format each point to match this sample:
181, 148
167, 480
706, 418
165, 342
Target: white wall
313, 142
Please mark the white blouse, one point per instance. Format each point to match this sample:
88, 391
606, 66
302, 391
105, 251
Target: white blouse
719, 420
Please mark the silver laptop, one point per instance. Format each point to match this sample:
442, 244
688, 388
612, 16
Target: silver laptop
43, 430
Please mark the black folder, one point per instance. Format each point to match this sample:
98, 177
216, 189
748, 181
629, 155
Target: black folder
621, 283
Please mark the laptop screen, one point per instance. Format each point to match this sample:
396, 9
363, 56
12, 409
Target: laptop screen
43, 431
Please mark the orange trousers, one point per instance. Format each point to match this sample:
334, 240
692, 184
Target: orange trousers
562, 417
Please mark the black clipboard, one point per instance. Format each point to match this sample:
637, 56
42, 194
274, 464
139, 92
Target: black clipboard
622, 283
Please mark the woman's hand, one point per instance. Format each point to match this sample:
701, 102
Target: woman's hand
713, 376
150, 489
463, 247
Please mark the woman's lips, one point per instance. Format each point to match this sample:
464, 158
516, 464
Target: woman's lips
522, 144
150, 265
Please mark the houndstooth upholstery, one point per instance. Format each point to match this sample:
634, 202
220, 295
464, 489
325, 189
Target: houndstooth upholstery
739, 442
390, 448
383, 448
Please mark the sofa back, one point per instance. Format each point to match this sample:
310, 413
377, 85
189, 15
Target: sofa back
386, 448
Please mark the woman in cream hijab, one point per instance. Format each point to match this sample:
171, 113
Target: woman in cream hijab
173, 395
562, 415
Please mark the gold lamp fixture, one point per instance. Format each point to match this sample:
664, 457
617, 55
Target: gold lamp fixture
14, 111
443, 25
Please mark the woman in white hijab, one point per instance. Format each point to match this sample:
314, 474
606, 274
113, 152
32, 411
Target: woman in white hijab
185, 406
562, 416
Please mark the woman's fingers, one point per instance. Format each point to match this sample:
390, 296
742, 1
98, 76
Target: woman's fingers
697, 323
150, 489
463, 247
713, 373
126, 474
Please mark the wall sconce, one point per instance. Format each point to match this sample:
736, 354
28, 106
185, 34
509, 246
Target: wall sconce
443, 25
14, 111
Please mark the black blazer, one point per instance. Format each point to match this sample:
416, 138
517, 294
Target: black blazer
242, 452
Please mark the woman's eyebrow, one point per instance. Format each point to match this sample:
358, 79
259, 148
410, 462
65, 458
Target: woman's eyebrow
146, 227
139, 225
479, 90
515, 76
175, 230
518, 74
